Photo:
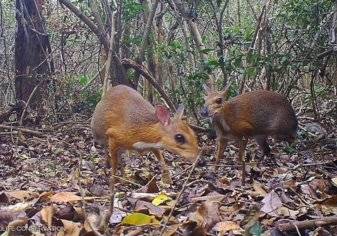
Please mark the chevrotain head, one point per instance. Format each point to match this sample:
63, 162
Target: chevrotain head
177, 137
213, 101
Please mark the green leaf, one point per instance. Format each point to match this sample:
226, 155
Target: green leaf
207, 50
138, 219
83, 80
160, 199
256, 229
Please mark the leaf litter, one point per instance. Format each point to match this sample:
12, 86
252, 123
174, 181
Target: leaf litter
41, 187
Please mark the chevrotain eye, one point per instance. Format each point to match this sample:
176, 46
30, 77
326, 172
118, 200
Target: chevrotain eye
180, 138
218, 100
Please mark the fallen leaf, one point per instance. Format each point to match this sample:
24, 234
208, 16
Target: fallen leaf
206, 215
334, 181
22, 195
227, 226
213, 196
258, 189
138, 219
192, 228
150, 187
64, 197
271, 202
284, 211
152, 209
47, 214
117, 216
256, 229
70, 228
160, 199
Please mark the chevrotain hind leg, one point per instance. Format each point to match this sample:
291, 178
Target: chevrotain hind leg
166, 177
263, 144
220, 148
113, 159
242, 146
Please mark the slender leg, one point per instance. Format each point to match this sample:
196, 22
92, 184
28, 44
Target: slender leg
165, 174
221, 146
242, 146
262, 142
113, 161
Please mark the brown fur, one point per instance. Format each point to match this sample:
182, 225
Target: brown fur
124, 118
256, 114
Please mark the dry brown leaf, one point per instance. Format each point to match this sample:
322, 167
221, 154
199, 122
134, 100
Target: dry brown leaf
213, 196
22, 195
47, 214
227, 226
64, 197
330, 201
286, 212
171, 230
142, 206
271, 203
150, 187
258, 189
70, 228
206, 215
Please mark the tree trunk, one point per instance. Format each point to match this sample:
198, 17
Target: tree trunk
33, 63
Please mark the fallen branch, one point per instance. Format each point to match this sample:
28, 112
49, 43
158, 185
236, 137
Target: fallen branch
23, 130
307, 224
144, 72
181, 191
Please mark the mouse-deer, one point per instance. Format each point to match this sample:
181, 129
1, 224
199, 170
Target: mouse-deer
124, 120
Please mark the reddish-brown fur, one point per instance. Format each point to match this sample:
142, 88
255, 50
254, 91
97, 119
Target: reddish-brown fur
256, 114
124, 120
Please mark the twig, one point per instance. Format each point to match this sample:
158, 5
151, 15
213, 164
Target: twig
28, 101
182, 190
307, 224
128, 181
24, 130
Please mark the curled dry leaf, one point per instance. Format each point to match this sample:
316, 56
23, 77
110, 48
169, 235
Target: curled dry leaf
21, 195
227, 226
150, 208
47, 214
150, 187
213, 196
70, 228
206, 215
64, 197
258, 189
271, 202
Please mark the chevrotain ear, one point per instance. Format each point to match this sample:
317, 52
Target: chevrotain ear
180, 112
163, 114
207, 89
225, 91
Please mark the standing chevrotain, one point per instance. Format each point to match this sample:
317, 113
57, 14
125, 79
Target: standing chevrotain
124, 120
257, 114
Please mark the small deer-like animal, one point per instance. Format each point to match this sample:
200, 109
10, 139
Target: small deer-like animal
124, 120
257, 114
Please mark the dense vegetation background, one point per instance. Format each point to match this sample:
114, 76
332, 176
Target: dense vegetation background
57, 57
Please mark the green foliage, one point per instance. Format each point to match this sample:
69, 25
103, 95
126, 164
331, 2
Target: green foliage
173, 49
132, 9
304, 13
85, 100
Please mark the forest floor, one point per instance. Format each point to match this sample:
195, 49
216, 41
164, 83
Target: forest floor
43, 174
